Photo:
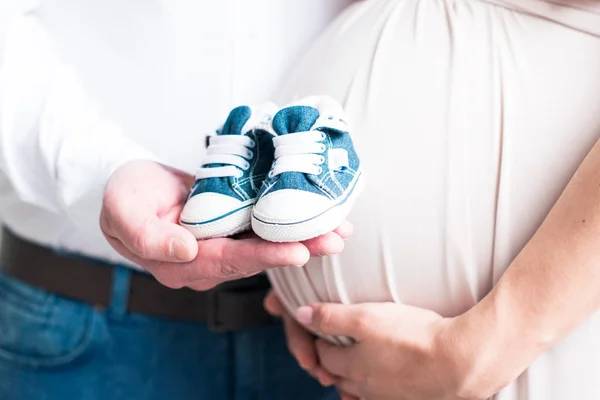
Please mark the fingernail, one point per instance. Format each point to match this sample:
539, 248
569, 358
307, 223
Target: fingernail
323, 379
303, 364
302, 257
178, 249
348, 230
304, 315
320, 378
339, 247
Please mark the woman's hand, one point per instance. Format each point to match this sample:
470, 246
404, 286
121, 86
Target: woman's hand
401, 352
301, 343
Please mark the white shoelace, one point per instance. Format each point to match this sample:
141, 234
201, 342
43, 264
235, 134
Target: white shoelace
299, 152
231, 150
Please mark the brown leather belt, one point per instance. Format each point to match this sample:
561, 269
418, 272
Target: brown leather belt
231, 306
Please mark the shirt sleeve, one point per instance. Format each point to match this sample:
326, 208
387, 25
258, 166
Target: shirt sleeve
56, 148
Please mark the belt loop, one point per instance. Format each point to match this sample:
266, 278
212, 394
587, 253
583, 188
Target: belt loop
119, 297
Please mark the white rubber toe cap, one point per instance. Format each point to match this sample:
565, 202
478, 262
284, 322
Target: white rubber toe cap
205, 207
290, 205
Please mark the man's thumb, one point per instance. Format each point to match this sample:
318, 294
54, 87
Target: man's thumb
159, 240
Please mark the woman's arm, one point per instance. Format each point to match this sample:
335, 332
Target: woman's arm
550, 288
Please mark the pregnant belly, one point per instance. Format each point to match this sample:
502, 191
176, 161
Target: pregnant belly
470, 120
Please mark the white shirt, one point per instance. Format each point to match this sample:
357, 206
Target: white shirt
86, 86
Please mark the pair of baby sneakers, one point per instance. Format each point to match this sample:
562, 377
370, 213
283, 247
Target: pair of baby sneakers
289, 174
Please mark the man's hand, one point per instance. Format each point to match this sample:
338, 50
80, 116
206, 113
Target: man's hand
141, 207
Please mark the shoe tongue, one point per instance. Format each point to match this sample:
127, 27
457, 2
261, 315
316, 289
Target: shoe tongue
236, 120
295, 119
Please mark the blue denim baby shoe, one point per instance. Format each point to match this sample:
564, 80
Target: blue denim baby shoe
316, 175
237, 161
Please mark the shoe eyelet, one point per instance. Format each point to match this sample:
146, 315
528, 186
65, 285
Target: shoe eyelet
323, 136
323, 148
270, 175
330, 117
239, 174
321, 160
246, 166
249, 154
252, 143
319, 171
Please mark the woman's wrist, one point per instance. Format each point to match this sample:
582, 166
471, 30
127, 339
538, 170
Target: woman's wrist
465, 351
492, 344
474, 353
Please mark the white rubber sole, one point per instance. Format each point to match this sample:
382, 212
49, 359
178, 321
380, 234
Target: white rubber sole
311, 228
226, 225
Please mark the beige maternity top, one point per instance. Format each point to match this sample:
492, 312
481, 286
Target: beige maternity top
470, 117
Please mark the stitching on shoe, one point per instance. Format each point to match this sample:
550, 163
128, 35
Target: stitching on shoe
240, 192
333, 176
255, 163
269, 220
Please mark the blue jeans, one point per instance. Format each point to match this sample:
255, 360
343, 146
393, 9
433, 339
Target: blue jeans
52, 348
